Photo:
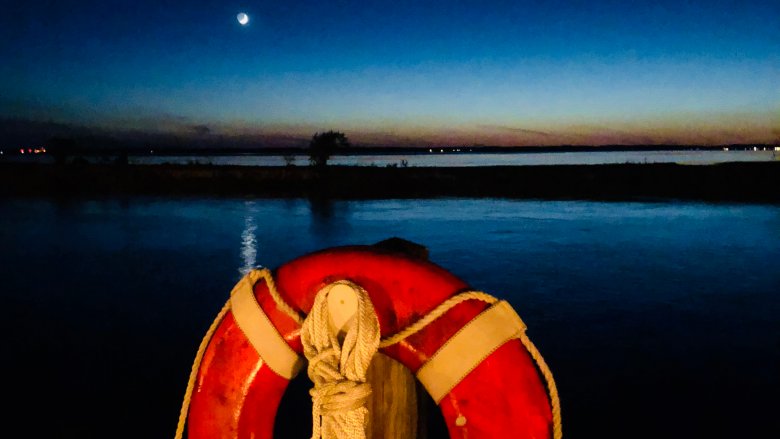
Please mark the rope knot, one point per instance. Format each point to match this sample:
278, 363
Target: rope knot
338, 368
333, 398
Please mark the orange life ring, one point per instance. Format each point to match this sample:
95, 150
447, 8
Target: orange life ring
237, 394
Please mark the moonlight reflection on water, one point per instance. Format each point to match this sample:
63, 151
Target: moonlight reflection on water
249, 240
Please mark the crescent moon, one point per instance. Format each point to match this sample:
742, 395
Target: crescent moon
242, 18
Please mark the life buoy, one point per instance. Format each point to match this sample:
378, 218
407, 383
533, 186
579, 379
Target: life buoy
236, 392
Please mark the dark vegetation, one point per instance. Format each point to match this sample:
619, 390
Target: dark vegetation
745, 181
324, 145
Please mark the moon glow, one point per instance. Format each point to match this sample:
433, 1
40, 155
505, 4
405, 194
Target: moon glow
242, 18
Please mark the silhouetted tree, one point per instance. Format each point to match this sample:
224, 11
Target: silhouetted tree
323, 145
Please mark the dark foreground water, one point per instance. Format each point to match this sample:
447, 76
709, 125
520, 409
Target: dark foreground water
658, 319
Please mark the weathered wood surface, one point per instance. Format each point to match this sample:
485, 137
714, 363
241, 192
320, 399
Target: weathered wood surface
393, 407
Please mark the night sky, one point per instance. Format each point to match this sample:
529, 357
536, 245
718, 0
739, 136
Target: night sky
399, 72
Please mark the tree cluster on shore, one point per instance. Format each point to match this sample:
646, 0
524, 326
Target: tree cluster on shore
324, 145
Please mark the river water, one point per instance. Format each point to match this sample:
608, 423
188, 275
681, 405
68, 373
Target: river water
437, 158
658, 319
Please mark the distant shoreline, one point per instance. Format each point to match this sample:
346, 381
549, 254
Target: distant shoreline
735, 181
163, 150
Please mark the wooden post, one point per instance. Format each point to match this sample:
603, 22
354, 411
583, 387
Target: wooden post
394, 406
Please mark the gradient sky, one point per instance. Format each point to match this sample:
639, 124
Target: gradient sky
401, 72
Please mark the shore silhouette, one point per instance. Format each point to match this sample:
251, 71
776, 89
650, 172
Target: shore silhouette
743, 181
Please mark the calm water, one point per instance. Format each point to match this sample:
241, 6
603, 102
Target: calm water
462, 159
658, 319
435, 158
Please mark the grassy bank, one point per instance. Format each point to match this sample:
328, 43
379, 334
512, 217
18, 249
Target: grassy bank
751, 182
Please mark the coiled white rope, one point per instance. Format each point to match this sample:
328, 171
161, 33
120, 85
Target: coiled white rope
338, 369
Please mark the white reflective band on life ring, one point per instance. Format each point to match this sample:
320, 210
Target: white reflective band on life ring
468, 347
259, 330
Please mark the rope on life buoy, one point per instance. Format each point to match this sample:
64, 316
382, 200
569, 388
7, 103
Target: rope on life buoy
185, 405
338, 369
